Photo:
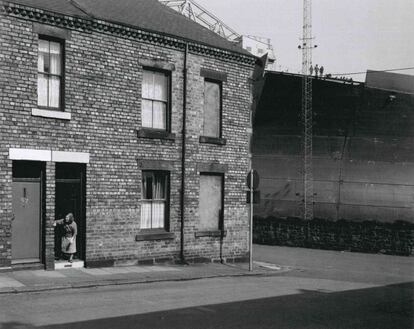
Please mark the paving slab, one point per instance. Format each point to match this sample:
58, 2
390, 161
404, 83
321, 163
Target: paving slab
40, 280
6, 282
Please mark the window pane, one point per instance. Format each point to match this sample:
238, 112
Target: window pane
212, 101
43, 46
146, 215
54, 91
158, 213
41, 62
210, 202
147, 179
55, 58
148, 85
43, 56
160, 86
146, 114
54, 47
159, 186
42, 90
159, 115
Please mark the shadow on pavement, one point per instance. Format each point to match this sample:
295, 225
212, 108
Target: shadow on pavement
385, 307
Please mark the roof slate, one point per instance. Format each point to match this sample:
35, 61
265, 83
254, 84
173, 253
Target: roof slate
57, 6
149, 15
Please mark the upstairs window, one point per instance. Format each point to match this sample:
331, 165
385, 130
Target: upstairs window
49, 78
154, 205
212, 109
155, 99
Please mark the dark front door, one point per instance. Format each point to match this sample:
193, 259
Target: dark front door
27, 212
70, 198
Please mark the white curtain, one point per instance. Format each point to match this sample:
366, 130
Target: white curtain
54, 91
155, 96
49, 62
158, 205
154, 198
43, 55
147, 85
55, 58
42, 90
160, 86
159, 115
43, 59
146, 214
158, 211
146, 113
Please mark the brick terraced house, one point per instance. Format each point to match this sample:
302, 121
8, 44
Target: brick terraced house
131, 117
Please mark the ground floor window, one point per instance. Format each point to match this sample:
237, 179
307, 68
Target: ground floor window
211, 201
154, 203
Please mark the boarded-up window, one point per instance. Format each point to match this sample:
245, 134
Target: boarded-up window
210, 202
212, 109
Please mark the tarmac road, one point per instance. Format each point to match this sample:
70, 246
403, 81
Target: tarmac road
308, 296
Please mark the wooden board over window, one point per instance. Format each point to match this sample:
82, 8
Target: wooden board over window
210, 201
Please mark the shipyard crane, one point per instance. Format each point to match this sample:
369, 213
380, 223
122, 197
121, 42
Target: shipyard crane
307, 115
257, 46
197, 13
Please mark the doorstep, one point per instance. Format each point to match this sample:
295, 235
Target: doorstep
62, 265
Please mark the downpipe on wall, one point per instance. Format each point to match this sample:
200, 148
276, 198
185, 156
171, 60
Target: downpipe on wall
183, 153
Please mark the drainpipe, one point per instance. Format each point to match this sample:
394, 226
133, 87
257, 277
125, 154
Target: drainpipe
183, 146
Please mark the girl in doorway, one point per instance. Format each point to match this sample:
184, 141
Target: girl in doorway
70, 231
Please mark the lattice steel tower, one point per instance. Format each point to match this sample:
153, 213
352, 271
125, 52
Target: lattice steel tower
307, 117
202, 16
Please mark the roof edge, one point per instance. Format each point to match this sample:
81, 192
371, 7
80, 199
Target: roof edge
91, 24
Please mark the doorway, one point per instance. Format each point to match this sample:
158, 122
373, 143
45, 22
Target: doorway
70, 198
27, 196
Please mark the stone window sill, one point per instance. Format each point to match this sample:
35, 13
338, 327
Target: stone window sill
215, 234
213, 140
146, 235
51, 114
155, 134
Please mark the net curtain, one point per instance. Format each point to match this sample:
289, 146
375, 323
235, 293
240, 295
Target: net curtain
49, 68
155, 97
153, 204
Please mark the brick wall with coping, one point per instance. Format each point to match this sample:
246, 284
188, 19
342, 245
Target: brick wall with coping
103, 78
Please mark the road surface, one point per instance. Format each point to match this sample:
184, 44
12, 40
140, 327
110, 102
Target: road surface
313, 295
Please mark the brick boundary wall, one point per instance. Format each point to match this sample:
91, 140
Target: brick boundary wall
395, 238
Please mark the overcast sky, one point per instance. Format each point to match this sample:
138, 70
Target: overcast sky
352, 35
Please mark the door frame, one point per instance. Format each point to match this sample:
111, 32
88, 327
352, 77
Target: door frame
81, 239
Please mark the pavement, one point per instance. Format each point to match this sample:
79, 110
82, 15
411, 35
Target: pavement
24, 281
269, 260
